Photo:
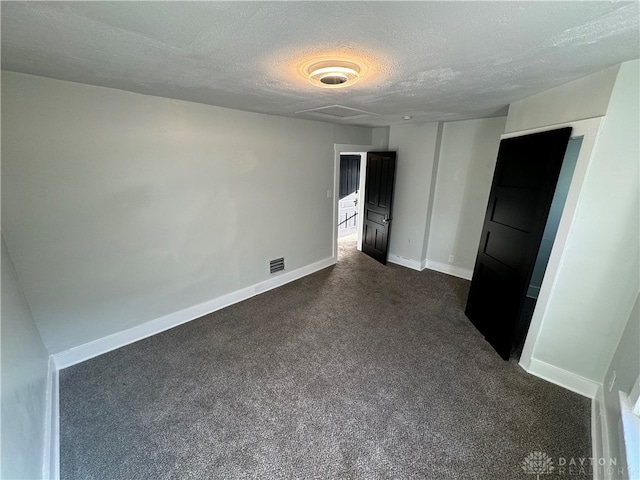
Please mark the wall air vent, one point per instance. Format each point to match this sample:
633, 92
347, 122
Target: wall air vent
276, 265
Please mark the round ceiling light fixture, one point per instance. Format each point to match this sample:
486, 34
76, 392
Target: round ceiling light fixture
333, 73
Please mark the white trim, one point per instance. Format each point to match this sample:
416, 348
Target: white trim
598, 429
51, 461
120, 339
405, 262
361, 199
588, 129
580, 128
563, 378
449, 269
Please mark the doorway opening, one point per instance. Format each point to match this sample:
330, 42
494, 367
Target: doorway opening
531, 185
348, 194
348, 200
372, 214
351, 170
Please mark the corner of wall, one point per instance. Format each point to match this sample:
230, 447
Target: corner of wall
432, 191
599, 442
404, 262
624, 72
449, 269
416, 147
51, 463
28, 386
563, 378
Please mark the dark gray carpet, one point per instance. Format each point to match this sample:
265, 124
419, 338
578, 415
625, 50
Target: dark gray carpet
358, 371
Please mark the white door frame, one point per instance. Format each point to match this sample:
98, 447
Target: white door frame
348, 149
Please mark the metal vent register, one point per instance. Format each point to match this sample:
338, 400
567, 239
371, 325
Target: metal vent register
276, 265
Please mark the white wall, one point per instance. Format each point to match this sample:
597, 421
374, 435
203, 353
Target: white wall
380, 138
584, 98
24, 382
443, 178
119, 208
465, 171
347, 134
598, 275
416, 146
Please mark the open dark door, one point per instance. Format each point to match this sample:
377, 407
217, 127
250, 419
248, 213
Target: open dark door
381, 170
523, 185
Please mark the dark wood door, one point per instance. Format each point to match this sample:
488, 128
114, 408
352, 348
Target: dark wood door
381, 170
523, 185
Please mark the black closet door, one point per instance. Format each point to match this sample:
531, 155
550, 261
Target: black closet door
524, 182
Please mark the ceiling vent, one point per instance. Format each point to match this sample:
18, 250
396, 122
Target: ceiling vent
336, 111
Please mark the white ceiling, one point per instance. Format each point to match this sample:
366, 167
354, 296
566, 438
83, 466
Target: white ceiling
430, 60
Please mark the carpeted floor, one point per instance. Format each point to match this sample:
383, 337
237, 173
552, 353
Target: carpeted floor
359, 371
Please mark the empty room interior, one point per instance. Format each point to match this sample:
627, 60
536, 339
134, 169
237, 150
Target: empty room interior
320, 239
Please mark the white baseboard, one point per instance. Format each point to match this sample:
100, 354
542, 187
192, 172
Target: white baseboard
449, 269
405, 262
431, 265
51, 461
561, 377
120, 339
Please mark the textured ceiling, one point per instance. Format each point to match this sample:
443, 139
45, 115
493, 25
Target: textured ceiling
430, 60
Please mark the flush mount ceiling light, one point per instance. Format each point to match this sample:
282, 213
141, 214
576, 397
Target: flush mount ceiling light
333, 74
